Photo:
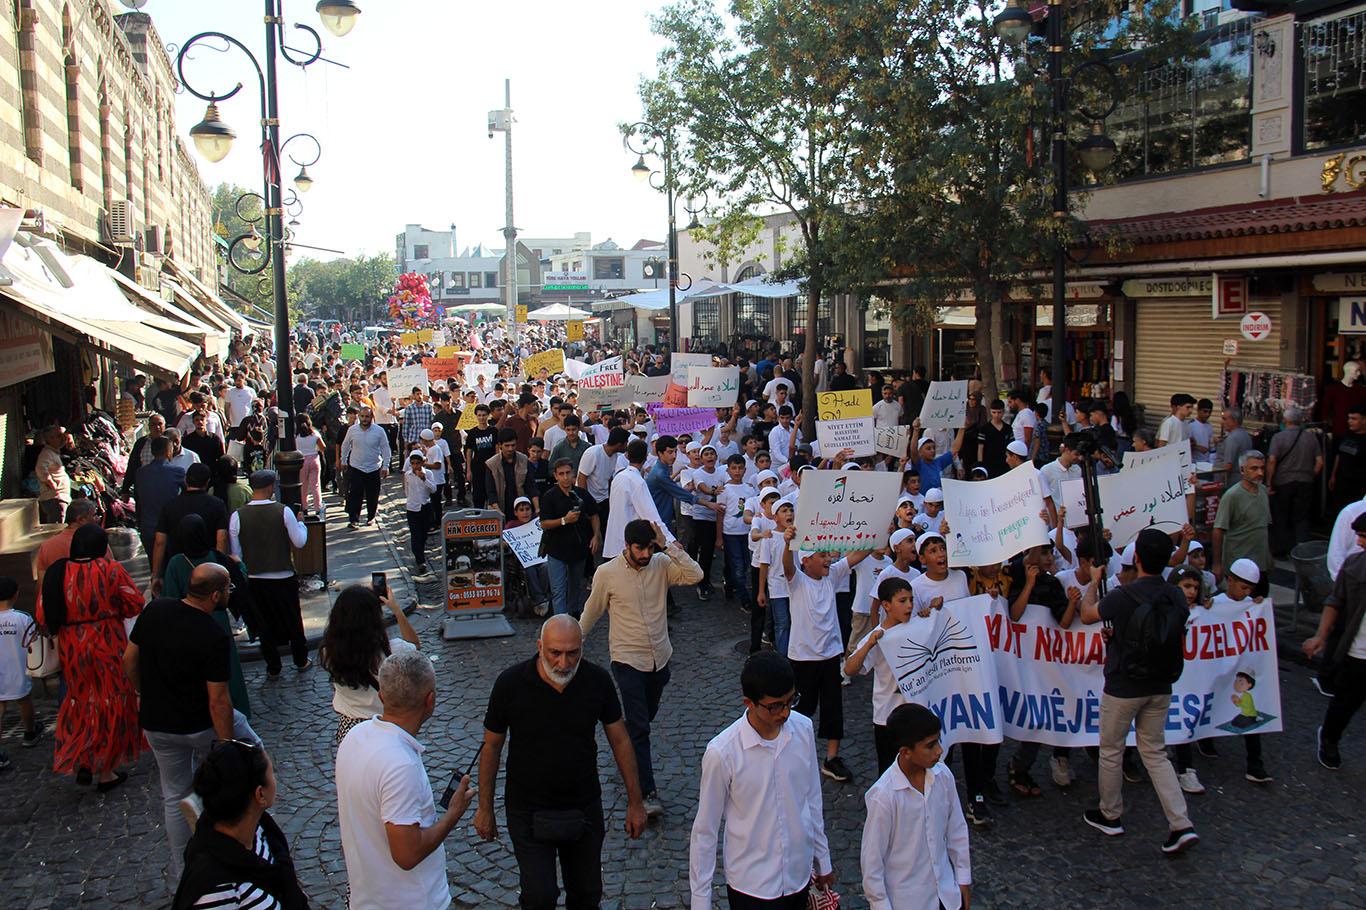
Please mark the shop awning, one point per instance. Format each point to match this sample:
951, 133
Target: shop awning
207, 298
760, 286
167, 317
77, 292
658, 299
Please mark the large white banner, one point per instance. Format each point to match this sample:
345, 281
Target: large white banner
845, 510
946, 405
1176, 452
1050, 679
833, 436
713, 387
944, 662
992, 520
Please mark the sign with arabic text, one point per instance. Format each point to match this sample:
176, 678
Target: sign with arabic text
676, 395
845, 510
946, 405
845, 404
713, 387
992, 520
474, 370
892, 440
647, 389
1177, 451
402, 380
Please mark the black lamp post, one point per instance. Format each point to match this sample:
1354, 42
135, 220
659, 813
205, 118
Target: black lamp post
1014, 25
213, 138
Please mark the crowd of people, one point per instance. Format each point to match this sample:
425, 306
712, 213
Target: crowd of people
629, 515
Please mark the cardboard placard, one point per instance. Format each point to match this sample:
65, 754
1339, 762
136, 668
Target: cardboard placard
992, 520
403, 379
353, 352
946, 405
892, 440
845, 510
843, 405
647, 389
551, 361
525, 542
573, 330
854, 433
713, 387
603, 385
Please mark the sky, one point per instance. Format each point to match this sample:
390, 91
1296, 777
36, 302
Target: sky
404, 130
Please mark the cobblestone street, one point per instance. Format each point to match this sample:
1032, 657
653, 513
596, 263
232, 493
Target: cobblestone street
1293, 843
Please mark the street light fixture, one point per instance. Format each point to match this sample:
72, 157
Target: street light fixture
212, 137
303, 182
1097, 150
339, 16
1014, 24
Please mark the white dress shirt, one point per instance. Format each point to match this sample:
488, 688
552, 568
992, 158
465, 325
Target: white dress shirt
768, 792
366, 450
815, 633
630, 499
778, 441
1342, 542
915, 845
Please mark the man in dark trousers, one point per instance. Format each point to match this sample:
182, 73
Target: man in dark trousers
157, 483
264, 535
365, 456
552, 705
195, 500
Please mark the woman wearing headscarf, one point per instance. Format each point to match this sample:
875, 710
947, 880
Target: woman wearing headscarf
196, 549
84, 601
238, 856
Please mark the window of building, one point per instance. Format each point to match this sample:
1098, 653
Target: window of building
706, 320
490, 279
128, 146
824, 314
421, 251
71, 67
877, 334
753, 315
1334, 53
457, 279
1184, 115
106, 141
476, 279
26, 19
609, 269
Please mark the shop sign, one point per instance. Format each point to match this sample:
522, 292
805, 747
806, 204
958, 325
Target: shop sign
1230, 347
565, 281
1230, 296
25, 350
1189, 286
1255, 326
1352, 315
1349, 282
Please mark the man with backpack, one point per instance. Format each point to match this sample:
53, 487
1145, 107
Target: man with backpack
1146, 623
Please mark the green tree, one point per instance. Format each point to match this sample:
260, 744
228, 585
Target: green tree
346, 289
757, 121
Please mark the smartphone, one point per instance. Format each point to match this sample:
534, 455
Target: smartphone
445, 801
379, 583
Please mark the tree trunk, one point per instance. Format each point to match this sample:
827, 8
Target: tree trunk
813, 300
986, 338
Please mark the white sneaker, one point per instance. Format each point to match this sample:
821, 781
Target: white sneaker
1189, 782
1062, 771
192, 807
845, 680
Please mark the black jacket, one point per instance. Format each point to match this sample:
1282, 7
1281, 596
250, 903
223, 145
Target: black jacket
214, 859
1349, 597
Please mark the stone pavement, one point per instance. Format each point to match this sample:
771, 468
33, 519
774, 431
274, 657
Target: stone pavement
1293, 843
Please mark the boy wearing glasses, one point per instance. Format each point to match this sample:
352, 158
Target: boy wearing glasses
759, 775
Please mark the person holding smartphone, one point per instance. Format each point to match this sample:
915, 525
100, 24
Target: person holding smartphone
569, 536
354, 644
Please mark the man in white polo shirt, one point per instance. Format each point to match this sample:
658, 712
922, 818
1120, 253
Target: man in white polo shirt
391, 833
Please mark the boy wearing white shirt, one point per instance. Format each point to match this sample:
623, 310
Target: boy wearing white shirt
773, 592
732, 531
914, 854
759, 509
759, 776
894, 605
815, 645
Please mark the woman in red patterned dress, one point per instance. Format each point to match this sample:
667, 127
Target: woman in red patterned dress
83, 602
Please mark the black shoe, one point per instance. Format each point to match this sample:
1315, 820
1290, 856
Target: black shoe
4, 761
1256, 772
83, 777
744, 608
993, 794
1206, 748
1179, 841
836, 769
307, 664
1131, 771
31, 737
1324, 688
352, 526
977, 812
1096, 819
1329, 756
421, 568
107, 785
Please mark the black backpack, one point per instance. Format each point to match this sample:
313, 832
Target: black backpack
1154, 641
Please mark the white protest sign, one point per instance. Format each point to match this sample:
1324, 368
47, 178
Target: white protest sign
402, 380
474, 370
845, 510
1050, 679
713, 387
946, 405
676, 393
603, 385
1073, 497
856, 433
1177, 450
525, 541
646, 389
575, 368
944, 662
992, 520
1141, 496
892, 440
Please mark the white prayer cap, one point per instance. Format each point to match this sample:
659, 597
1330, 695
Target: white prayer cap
926, 538
765, 475
899, 535
693, 446
1245, 569
428, 435
1018, 448
934, 494
1126, 558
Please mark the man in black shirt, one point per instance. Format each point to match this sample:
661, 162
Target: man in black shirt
992, 438
1348, 480
479, 446
1138, 694
194, 500
200, 441
569, 536
552, 705
178, 660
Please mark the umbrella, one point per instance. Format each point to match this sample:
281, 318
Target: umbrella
558, 311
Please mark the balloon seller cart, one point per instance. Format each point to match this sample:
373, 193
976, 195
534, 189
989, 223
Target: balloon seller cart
474, 575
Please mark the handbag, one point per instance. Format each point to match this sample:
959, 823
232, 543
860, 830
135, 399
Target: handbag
42, 660
558, 826
821, 897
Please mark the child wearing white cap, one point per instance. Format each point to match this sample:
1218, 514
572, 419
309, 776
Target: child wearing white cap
771, 590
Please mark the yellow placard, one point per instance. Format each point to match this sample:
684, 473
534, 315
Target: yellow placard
842, 405
521, 312
424, 335
447, 351
467, 419
407, 338
551, 361
573, 330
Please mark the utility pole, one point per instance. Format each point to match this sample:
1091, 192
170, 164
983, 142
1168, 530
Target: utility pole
501, 121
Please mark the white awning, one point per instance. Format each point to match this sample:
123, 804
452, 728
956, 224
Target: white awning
658, 299
208, 299
760, 286
558, 312
77, 292
170, 318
